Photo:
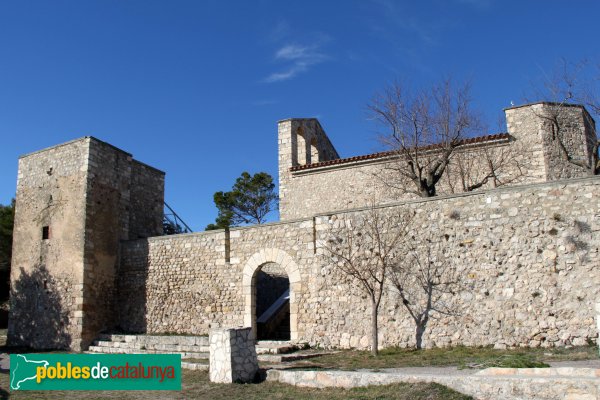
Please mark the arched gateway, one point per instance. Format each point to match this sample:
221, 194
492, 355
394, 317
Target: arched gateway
251, 270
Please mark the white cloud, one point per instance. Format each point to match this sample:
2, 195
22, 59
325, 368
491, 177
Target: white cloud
302, 58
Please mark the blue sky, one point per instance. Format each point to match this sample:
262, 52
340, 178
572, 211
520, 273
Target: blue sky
195, 87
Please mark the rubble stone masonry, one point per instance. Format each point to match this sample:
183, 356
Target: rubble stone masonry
528, 257
74, 204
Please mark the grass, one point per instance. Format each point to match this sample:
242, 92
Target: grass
197, 386
462, 357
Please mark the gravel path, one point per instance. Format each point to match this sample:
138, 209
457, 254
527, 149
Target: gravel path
576, 364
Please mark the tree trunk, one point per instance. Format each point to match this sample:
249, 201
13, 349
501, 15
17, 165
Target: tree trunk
374, 328
419, 335
426, 191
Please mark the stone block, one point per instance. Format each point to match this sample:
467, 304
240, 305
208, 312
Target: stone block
232, 355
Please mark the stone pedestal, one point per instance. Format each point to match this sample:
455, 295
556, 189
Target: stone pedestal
232, 355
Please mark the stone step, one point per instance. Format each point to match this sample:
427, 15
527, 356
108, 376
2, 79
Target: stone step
150, 346
194, 366
187, 346
260, 350
275, 347
295, 356
156, 339
119, 350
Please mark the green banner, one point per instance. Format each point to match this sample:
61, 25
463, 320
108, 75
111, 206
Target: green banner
95, 372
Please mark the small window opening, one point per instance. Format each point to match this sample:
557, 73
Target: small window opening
45, 232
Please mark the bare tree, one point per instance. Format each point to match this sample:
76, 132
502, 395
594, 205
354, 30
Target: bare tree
426, 280
428, 132
424, 129
493, 164
591, 91
569, 83
364, 249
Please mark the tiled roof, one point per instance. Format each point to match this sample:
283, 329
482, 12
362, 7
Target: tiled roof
470, 141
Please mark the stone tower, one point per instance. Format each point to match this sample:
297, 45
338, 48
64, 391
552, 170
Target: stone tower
74, 203
301, 141
531, 125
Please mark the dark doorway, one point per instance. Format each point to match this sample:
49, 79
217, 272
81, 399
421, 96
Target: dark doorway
272, 303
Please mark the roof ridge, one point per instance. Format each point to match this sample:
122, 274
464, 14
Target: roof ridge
383, 154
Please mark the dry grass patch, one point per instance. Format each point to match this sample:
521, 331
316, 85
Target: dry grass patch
462, 357
197, 386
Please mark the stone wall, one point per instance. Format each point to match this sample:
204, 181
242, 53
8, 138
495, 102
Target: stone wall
178, 283
146, 201
47, 274
182, 283
528, 263
124, 200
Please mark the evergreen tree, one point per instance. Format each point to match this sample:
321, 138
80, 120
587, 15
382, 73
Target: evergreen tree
251, 198
7, 216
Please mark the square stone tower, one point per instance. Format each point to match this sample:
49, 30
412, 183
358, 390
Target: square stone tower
542, 128
302, 141
75, 202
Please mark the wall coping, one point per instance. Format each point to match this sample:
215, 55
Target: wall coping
552, 103
81, 139
503, 189
220, 231
91, 139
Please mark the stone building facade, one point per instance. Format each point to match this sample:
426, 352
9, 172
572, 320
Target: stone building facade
528, 254
308, 186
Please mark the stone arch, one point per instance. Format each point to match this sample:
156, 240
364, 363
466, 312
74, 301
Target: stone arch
254, 263
301, 146
314, 151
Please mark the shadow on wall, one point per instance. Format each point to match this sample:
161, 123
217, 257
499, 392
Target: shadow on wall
38, 319
4, 290
132, 286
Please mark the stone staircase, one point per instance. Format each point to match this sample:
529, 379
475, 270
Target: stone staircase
194, 350
187, 346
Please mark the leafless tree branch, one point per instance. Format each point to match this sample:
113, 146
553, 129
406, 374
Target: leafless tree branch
364, 249
426, 130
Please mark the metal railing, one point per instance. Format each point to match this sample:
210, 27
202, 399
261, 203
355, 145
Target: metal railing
172, 223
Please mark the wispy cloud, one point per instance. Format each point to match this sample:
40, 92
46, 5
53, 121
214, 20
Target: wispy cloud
299, 59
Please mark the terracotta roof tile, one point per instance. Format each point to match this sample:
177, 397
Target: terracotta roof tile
469, 141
